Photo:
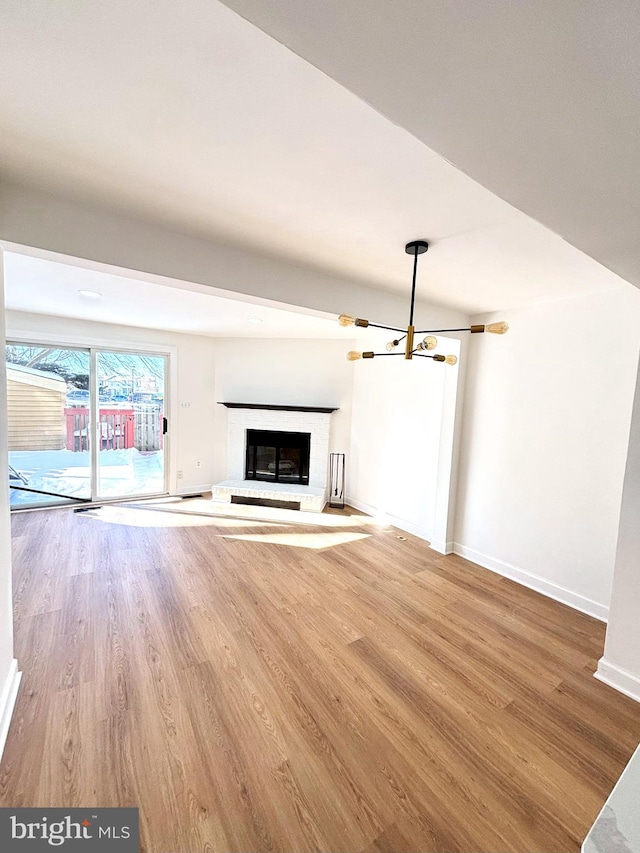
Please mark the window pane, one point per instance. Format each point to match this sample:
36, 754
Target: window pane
48, 424
131, 412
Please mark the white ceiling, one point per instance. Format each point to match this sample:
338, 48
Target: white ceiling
538, 101
42, 286
193, 116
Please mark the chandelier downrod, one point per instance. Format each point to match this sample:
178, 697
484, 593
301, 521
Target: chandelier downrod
415, 248
413, 288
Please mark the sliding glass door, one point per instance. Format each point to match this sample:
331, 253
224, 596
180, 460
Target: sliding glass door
131, 436
84, 424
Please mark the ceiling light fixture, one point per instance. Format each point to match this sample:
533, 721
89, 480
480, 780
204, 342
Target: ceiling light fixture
254, 319
408, 335
92, 294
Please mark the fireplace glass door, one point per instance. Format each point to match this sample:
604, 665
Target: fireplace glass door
278, 457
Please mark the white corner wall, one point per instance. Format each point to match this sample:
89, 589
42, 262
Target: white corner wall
191, 434
9, 675
402, 440
393, 460
282, 372
546, 429
620, 664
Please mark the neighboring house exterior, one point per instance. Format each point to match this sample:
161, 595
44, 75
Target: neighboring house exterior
35, 404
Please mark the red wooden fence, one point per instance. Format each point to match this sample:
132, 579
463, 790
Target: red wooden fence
117, 429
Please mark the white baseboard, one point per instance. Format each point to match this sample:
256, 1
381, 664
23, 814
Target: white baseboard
558, 593
401, 523
363, 507
8, 701
618, 678
193, 490
541, 585
442, 547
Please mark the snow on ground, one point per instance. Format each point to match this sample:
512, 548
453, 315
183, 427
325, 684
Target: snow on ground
121, 473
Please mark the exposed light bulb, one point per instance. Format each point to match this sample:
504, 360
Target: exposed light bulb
392, 345
500, 328
428, 343
346, 320
450, 359
352, 355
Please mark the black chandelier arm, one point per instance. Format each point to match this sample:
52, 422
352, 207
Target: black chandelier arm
388, 328
397, 341
440, 331
447, 359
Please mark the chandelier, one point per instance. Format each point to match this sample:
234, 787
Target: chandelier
408, 335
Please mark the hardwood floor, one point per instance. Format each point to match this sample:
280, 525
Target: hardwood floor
257, 685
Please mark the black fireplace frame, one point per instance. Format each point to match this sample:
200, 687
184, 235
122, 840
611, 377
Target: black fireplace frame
278, 440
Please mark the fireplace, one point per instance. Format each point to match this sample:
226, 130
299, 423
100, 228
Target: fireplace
275, 456
303, 479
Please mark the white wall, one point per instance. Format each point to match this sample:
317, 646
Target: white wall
6, 626
9, 675
395, 439
29, 217
8, 671
620, 665
396, 436
546, 428
191, 434
284, 372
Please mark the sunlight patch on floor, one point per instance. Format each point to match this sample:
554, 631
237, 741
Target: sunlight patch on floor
205, 506
133, 517
316, 541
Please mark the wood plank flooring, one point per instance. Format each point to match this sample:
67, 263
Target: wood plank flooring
260, 685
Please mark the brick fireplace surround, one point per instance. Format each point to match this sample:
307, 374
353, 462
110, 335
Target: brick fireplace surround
314, 420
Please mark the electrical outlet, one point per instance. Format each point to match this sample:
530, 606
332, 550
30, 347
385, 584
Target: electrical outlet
179, 475
198, 463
